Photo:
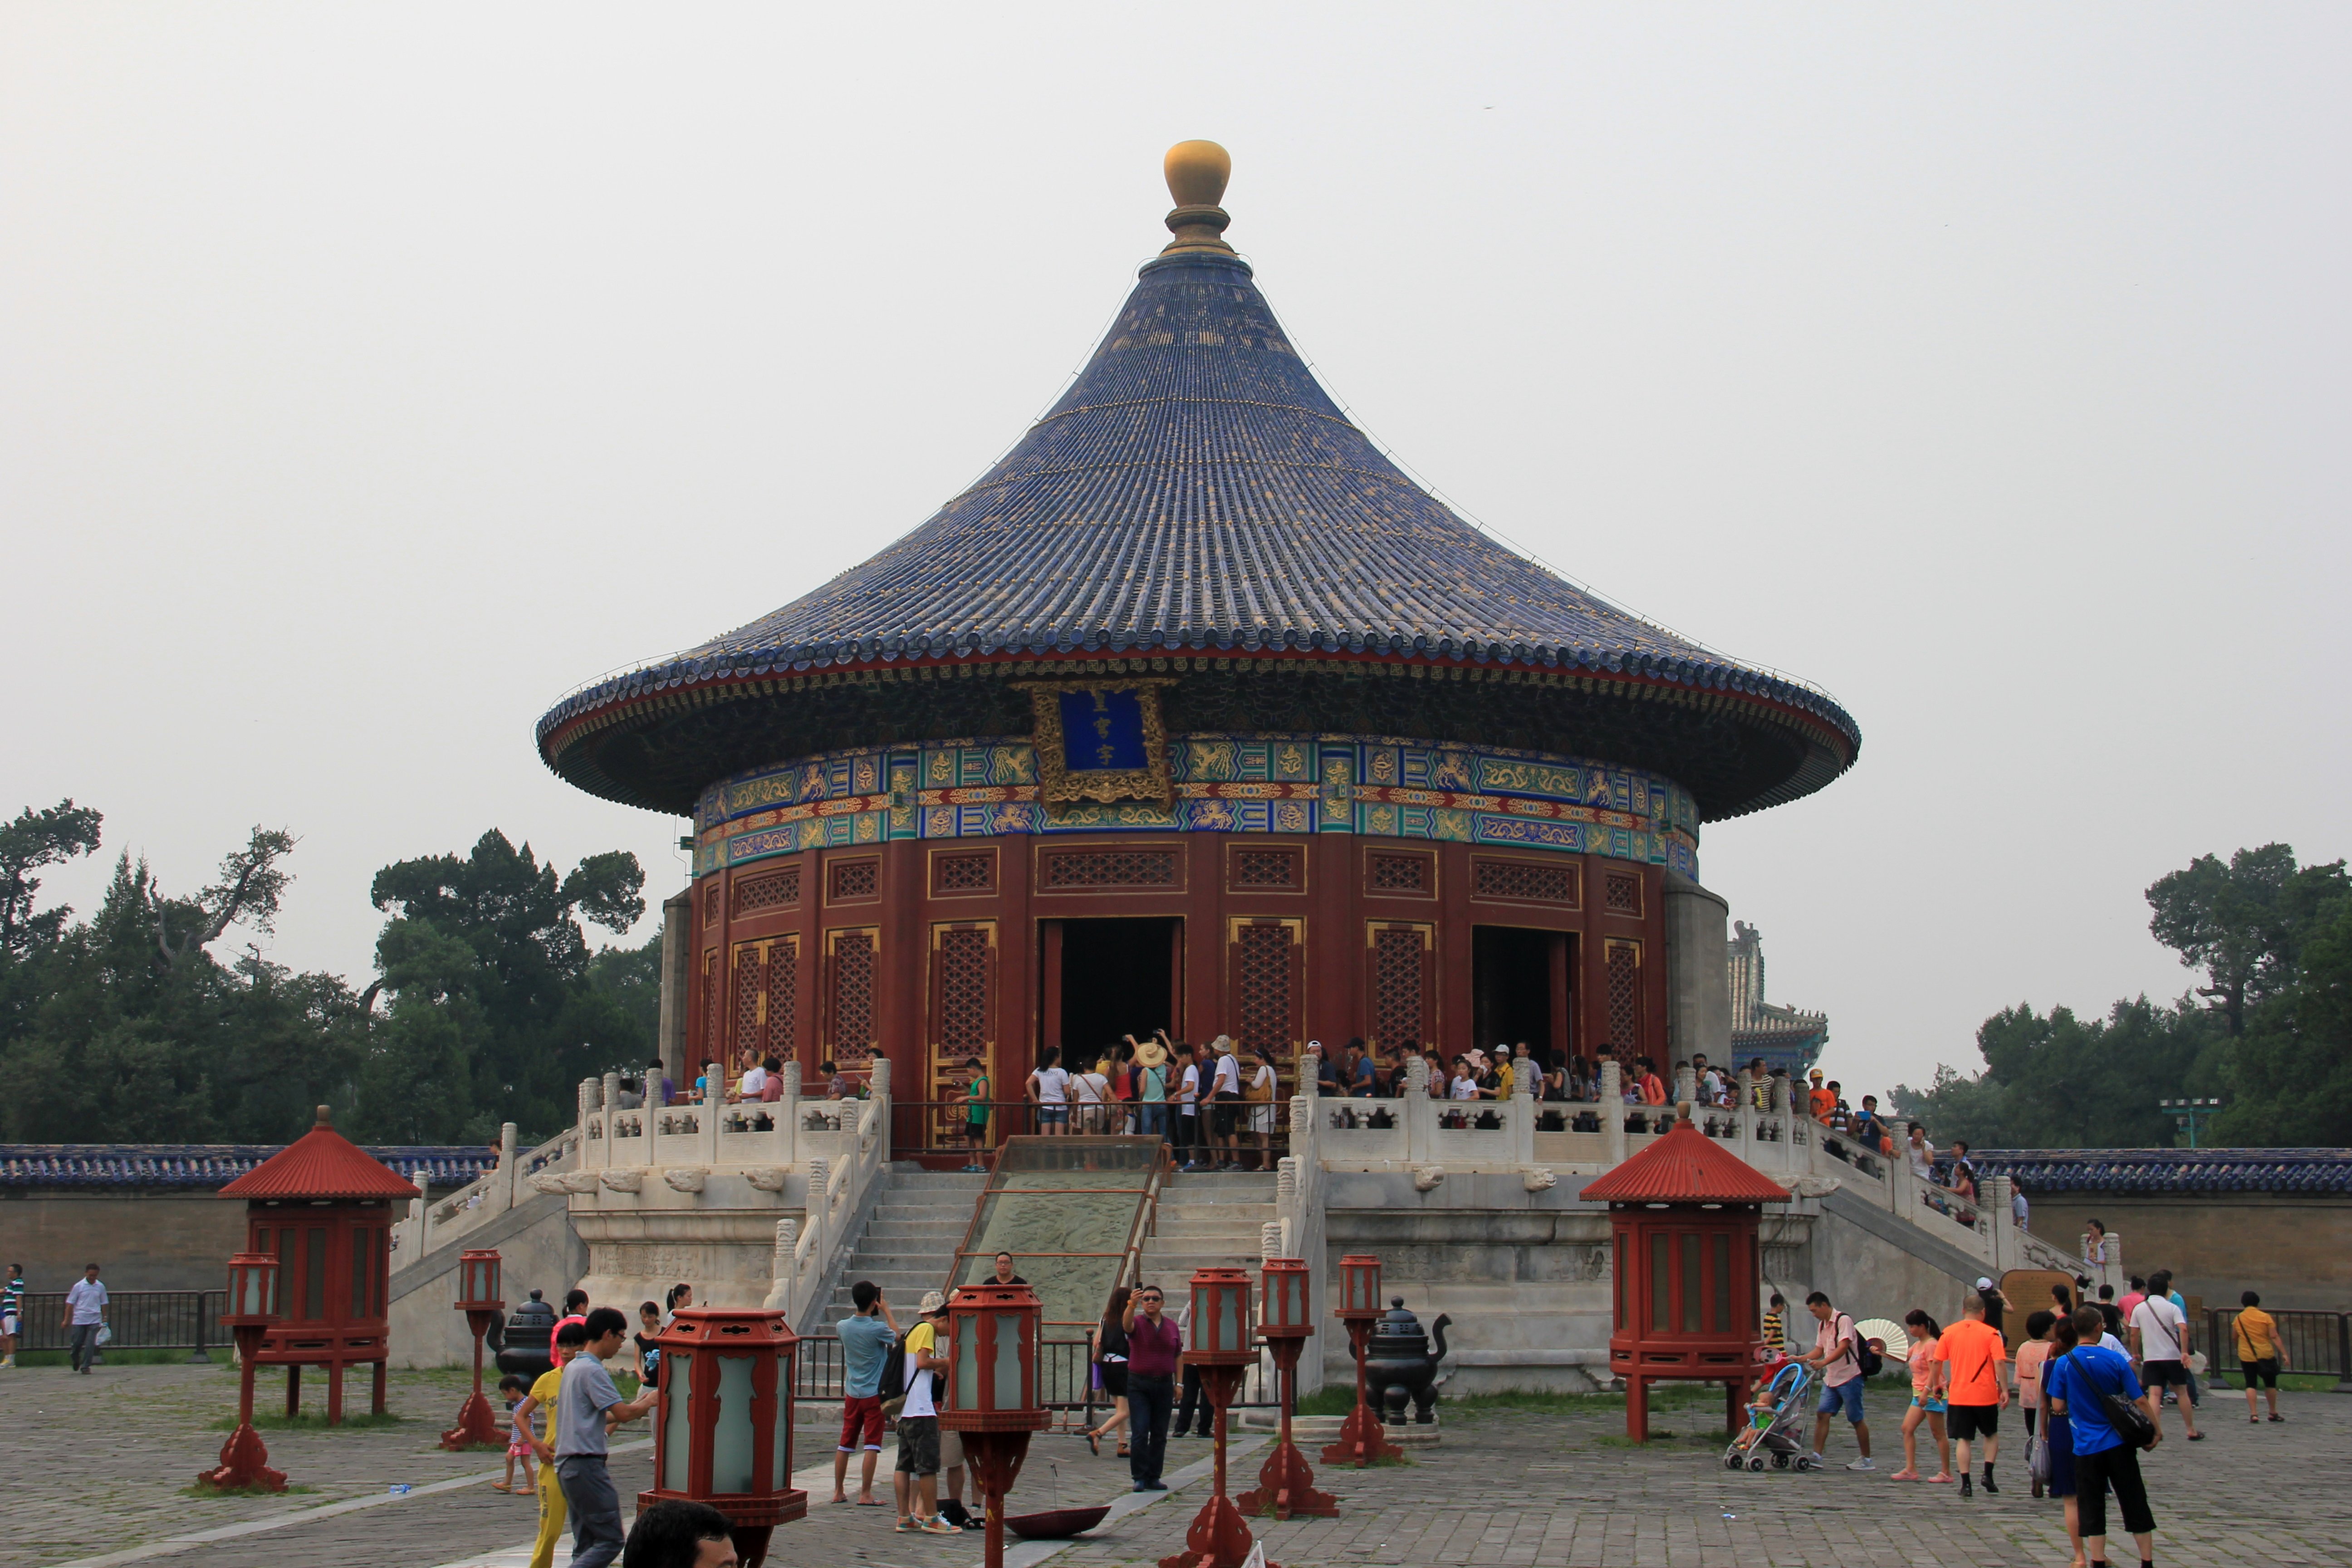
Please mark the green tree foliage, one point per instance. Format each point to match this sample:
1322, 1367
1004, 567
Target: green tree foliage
489, 974
129, 1027
2269, 1030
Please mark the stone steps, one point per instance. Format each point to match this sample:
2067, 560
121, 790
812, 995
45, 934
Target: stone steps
909, 1243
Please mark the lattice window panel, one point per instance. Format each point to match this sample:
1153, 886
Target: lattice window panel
710, 905
855, 880
777, 890
1397, 980
963, 993
1398, 873
853, 996
963, 873
784, 996
711, 999
750, 980
1621, 976
1261, 998
1265, 868
1110, 868
1620, 893
1525, 881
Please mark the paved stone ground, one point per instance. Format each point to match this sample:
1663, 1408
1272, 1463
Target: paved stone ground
97, 1465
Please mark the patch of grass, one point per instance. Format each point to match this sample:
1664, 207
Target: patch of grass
2289, 1382
310, 1421
118, 1356
202, 1490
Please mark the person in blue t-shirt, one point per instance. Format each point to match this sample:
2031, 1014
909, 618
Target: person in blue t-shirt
2077, 1384
867, 1340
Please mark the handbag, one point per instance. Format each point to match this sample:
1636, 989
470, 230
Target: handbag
2037, 1458
2130, 1421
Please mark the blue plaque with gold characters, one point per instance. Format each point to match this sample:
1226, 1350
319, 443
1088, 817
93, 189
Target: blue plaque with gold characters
1100, 740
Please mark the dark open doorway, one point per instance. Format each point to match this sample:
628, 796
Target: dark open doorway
1519, 988
1118, 977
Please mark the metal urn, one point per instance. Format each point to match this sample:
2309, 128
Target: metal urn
1401, 1367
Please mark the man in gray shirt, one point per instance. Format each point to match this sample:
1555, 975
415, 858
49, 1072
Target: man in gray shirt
587, 1408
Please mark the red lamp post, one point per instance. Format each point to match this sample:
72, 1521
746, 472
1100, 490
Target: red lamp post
252, 1313
991, 1391
1362, 1441
1285, 1482
723, 1426
477, 1297
1223, 1348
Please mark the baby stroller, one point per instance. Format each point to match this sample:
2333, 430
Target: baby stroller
1776, 1422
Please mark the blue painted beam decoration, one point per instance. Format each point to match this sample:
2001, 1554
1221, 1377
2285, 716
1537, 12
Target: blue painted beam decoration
1380, 785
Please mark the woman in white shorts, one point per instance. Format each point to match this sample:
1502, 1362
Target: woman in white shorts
1089, 1089
1261, 1096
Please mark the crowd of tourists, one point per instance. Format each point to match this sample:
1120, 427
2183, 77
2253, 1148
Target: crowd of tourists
2090, 1379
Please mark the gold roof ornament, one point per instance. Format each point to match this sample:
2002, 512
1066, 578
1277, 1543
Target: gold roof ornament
1197, 173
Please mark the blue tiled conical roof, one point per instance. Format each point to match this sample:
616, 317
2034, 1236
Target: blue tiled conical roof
1195, 491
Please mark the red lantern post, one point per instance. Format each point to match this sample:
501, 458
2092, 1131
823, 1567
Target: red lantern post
1362, 1441
477, 1297
252, 1313
1285, 1482
1223, 1348
991, 1391
723, 1426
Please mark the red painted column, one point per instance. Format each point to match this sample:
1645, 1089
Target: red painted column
1018, 1020
1455, 1014
1207, 1011
1592, 979
900, 975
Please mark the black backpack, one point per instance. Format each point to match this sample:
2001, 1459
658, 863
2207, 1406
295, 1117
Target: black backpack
1868, 1360
894, 1373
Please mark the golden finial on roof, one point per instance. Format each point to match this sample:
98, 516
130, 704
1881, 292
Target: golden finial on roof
1197, 173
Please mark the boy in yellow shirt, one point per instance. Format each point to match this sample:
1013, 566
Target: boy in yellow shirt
570, 1340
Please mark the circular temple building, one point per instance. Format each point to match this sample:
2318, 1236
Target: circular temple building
1194, 713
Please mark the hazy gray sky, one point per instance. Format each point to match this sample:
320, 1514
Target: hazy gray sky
372, 375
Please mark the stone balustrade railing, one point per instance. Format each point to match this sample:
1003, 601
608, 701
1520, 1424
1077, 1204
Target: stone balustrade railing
1542, 1141
434, 1222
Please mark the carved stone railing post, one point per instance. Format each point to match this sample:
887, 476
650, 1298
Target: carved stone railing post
780, 1272
602, 1155
1522, 1114
788, 1115
714, 1108
588, 1091
1997, 1224
1686, 1085
1612, 1111
507, 1184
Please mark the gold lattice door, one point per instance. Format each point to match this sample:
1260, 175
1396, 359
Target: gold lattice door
963, 1028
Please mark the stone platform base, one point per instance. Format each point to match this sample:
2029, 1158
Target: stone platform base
1314, 1431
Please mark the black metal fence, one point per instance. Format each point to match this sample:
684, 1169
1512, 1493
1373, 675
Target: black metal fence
140, 1319
1229, 1131
1065, 1377
2316, 1341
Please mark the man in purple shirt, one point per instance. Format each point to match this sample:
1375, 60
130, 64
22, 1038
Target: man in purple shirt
1153, 1347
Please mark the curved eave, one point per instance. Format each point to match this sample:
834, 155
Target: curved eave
642, 697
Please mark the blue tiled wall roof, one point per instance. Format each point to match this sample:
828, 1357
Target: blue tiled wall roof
2170, 1170
202, 1167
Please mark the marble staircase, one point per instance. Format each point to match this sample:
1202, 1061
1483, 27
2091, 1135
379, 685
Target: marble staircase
910, 1244
1207, 1220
